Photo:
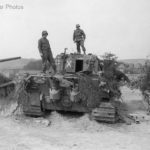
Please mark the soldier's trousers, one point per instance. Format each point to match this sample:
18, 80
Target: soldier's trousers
48, 58
80, 44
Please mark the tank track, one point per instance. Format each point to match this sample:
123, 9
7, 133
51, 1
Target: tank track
106, 112
33, 110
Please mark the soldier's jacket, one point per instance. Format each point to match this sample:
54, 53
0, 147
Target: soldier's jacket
78, 35
43, 45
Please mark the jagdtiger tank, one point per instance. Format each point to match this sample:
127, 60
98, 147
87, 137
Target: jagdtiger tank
77, 86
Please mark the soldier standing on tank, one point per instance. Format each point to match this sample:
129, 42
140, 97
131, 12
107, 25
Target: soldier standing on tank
79, 38
45, 52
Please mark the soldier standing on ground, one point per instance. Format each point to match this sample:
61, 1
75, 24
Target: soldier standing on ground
79, 38
45, 52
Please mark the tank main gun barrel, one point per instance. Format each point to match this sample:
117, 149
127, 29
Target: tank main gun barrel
9, 59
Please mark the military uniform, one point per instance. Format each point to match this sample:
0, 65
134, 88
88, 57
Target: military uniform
45, 50
79, 37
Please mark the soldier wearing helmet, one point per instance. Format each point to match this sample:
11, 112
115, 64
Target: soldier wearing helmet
45, 52
79, 37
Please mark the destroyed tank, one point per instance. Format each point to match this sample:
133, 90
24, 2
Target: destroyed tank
78, 85
7, 86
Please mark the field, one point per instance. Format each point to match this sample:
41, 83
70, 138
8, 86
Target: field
63, 132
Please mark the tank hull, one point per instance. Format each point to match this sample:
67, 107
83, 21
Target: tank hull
42, 93
77, 86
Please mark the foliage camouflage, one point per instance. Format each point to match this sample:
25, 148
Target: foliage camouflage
112, 75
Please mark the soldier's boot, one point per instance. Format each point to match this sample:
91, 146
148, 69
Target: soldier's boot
52, 69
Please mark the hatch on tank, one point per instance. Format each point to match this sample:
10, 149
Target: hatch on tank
79, 65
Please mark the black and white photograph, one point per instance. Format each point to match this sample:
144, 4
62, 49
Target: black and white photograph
74, 75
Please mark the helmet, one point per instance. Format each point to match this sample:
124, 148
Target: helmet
44, 33
77, 25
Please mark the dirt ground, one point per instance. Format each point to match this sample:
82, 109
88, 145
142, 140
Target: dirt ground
76, 132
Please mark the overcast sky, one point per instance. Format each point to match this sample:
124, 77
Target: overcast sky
118, 26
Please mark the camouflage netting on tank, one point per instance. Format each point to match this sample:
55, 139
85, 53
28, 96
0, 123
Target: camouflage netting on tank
112, 76
20, 95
